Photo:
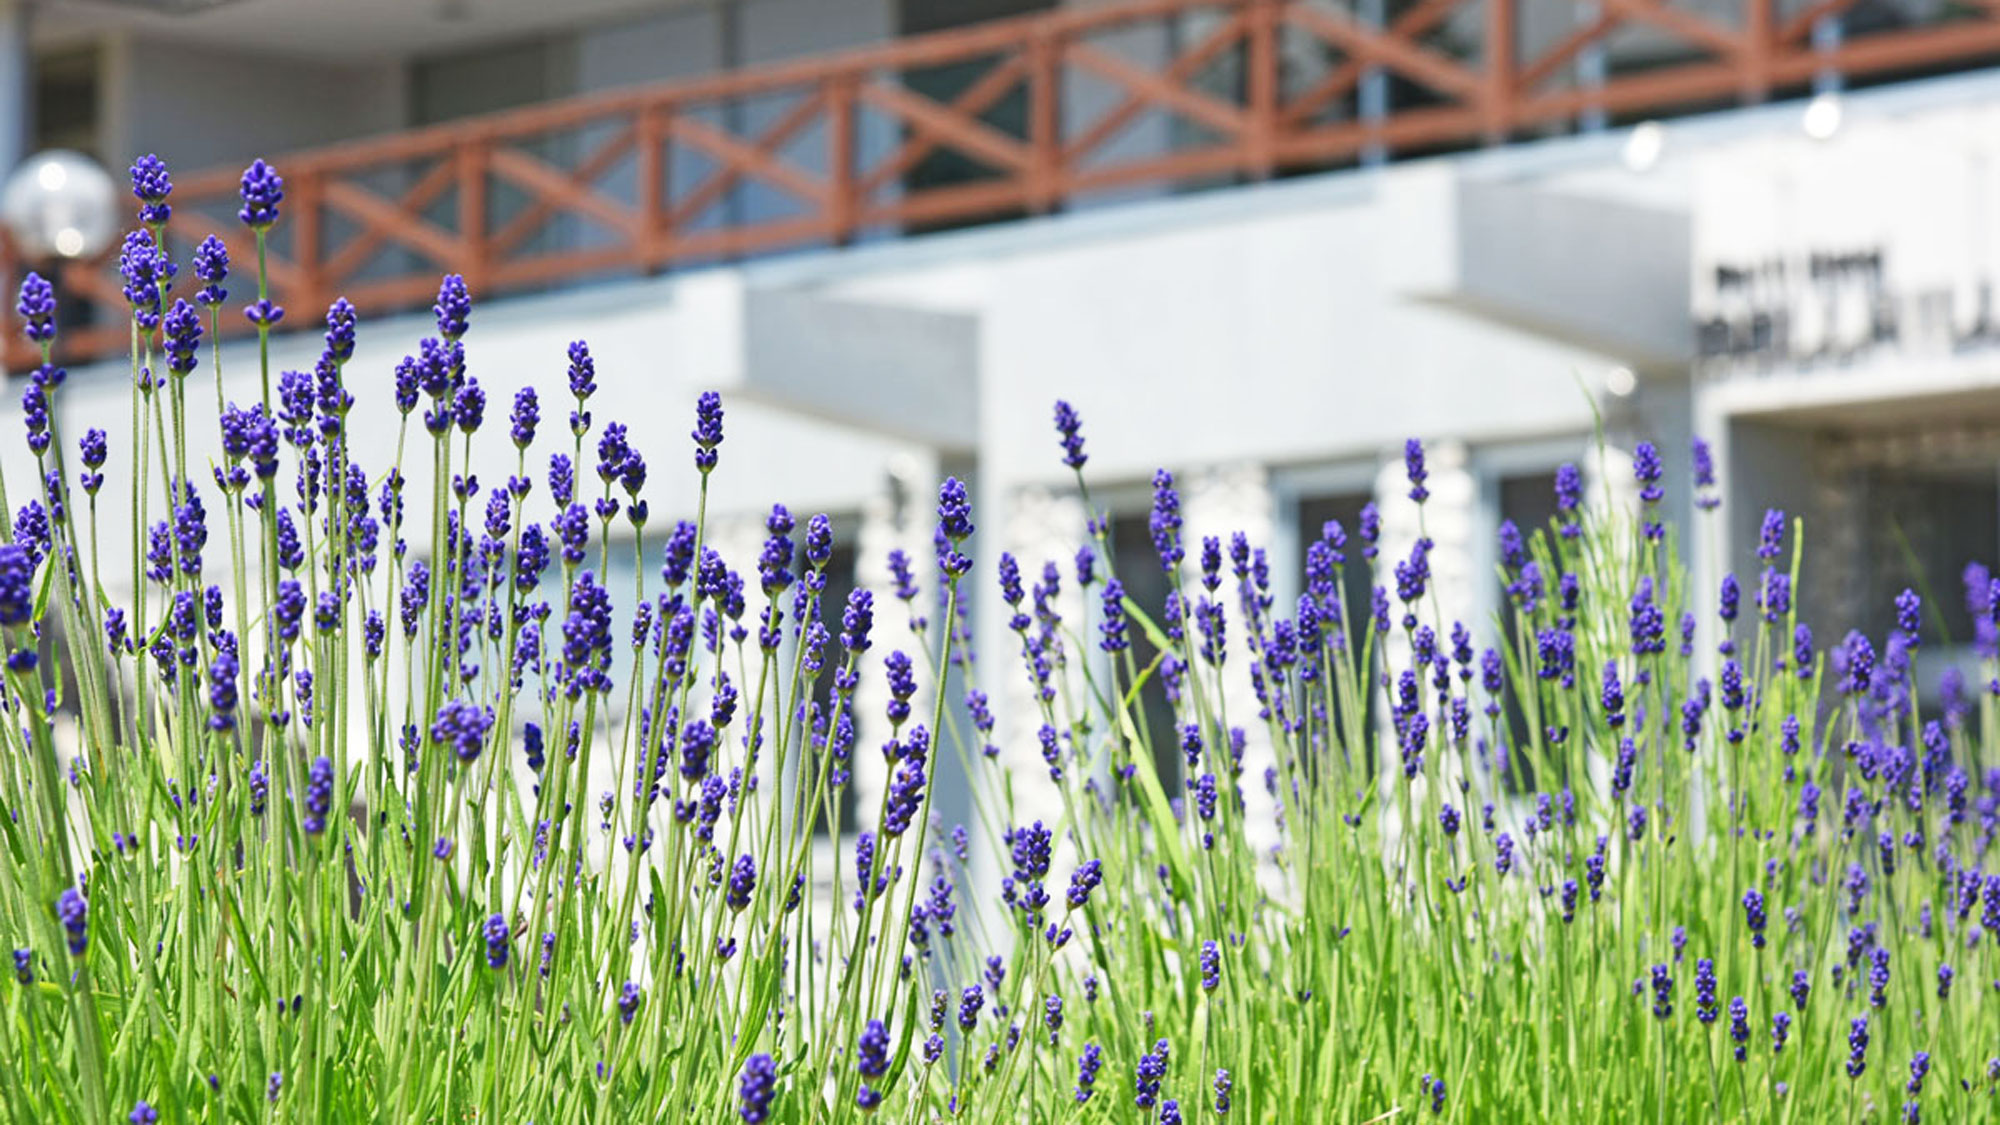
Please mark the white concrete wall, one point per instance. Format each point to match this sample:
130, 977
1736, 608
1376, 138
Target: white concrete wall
1193, 336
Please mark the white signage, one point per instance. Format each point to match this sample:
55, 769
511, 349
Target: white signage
1882, 236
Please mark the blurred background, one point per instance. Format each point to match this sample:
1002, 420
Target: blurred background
1255, 242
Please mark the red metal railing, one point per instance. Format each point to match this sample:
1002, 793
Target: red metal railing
824, 150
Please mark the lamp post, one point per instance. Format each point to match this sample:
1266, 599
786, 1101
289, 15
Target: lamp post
59, 205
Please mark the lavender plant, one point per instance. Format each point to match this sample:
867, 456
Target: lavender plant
298, 824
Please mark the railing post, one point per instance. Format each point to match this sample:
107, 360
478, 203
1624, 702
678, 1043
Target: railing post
843, 200
1591, 64
1044, 178
1501, 59
308, 245
475, 254
650, 197
1827, 33
1758, 49
1371, 90
1260, 141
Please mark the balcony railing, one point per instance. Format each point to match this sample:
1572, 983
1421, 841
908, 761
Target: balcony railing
1030, 113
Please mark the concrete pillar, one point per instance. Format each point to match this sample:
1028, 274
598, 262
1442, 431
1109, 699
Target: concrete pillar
1591, 68
1221, 501
1372, 97
16, 85
1608, 485
1040, 525
886, 526
1827, 34
739, 538
1450, 517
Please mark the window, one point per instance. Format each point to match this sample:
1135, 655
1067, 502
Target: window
944, 166
66, 101
487, 80
1357, 588
1138, 566
1529, 500
840, 583
1921, 526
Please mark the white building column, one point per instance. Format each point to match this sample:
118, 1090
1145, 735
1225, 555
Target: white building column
885, 527
1041, 525
1608, 485
16, 85
739, 538
1220, 501
1450, 518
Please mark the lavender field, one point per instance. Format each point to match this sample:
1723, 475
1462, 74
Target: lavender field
303, 819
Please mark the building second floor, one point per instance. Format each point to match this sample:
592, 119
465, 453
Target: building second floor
533, 146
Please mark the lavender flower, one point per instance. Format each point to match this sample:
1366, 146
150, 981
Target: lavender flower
222, 672
871, 1060
74, 914
150, 186
497, 936
954, 511
756, 1088
1753, 915
1703, 463
211, 266
462, 725
1771, 536
1165, 520
1087, 1066
37, 308
146, 272
453, 308
742, 883
1704, 990
969, 1003
1070, 427
1112, 628
183, 336
1084, 880
262, 190
319, 795
1151, 1069
707, 431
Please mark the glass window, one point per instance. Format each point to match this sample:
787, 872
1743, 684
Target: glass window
1921, 526
1529, 500
840, 583
1357, 580
1138, 566
944, 165
66, 101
